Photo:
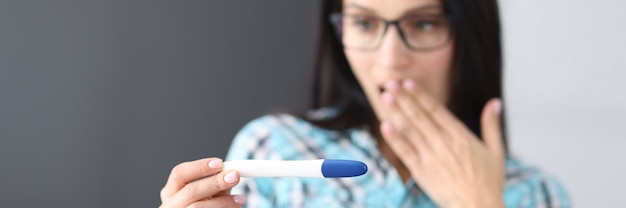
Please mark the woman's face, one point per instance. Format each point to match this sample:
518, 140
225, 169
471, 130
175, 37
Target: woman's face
393, 60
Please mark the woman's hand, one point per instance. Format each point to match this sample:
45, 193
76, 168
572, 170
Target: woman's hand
444, 157
201, 183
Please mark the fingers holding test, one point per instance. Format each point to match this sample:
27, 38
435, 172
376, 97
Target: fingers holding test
205, 188
187, 172
222, 201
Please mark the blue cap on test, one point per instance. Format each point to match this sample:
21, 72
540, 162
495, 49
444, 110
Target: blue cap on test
343, 168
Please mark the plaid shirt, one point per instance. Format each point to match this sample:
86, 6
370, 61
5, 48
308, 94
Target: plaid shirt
286, 137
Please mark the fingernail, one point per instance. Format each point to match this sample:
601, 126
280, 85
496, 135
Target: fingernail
230, 177
239, 199
215, 164
497, 106
392, 85
388, 98
386, 128
408, 84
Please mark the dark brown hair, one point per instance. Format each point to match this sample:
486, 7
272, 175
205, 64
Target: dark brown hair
476, 74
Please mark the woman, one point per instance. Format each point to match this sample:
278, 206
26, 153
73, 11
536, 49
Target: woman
412, 88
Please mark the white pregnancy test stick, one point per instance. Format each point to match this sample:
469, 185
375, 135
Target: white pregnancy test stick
297, 168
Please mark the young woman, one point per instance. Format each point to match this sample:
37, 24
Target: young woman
412, 88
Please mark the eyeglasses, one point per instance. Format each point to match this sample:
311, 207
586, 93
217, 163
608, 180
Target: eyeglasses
419, 32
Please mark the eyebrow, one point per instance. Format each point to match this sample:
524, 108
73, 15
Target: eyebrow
406, 13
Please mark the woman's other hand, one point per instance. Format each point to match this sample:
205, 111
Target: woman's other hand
201, 183
445, 158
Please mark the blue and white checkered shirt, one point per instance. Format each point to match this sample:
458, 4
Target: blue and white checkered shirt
286, 137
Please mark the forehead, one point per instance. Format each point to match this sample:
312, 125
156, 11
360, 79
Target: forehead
389, 8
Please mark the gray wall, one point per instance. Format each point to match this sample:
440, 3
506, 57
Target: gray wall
100, 99
565, 82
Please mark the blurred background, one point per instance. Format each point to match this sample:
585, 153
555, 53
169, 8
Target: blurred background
99, 99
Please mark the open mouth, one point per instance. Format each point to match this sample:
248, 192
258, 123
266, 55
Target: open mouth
381, 89
390, 85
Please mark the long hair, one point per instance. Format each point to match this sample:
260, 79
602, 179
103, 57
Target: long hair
476, 74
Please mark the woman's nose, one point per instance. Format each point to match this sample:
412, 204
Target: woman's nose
393, 54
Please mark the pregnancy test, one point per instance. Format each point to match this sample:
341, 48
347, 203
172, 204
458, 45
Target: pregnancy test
297, 168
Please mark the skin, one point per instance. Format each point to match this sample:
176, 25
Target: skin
201, 183
438, 151
442, 155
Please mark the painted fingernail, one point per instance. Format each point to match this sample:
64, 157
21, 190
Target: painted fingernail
386, 128
408, 84
215, 164
497, 106
239, 199
392, 85
388, 98
230, 177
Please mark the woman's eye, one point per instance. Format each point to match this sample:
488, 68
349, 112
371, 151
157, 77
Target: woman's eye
364, 24
424, 25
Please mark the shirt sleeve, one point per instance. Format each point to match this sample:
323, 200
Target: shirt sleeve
554, 194
547, 192
529, 188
